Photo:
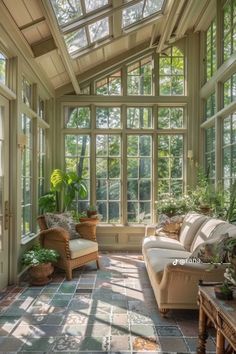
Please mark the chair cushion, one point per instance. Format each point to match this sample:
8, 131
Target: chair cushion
81, 247
162, 242
190, 226
63, 220
159, 258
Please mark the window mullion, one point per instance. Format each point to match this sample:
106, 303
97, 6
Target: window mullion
124, 209
93, 156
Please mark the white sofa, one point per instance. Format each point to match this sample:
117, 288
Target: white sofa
175, 280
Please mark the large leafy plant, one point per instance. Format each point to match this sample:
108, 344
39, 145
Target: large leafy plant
39, 255
65, 186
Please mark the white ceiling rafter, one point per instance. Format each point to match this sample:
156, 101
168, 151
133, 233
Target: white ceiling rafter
52, 23
171, 20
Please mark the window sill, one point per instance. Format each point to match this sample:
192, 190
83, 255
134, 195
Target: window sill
27, 239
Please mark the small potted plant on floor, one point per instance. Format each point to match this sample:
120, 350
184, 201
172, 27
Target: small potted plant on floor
40, 261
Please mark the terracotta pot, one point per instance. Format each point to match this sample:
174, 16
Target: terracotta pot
40, 274
95, 220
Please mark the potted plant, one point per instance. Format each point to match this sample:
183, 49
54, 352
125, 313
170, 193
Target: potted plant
171, 205
224, 291
91, 211
40, 261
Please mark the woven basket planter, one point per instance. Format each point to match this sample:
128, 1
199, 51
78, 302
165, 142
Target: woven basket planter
40, 274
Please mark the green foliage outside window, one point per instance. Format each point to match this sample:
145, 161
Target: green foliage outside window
171, 72
210, 153
139, 117
229, 151
77, 117
229, 40
230, 90
210, 106
170, 117
210, 60
170, 165
139, 175
110, 85
139, 77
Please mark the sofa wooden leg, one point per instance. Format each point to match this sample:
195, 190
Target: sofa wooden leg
164, 312
98, 267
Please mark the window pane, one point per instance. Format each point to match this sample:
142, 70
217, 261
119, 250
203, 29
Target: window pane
26, 176
110, 85
139, 117
132, 14
99, 29
3, 65
170, 118
77, 158
108, 176
77, 117
92, 5
171, 72
152, 6
66, 10
139, 178
170, 164
76, 40
229, 150
140, 77
108, 117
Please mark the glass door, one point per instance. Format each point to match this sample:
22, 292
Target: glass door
4, 191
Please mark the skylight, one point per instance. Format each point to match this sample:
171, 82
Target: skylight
92, 5
67, 10
76, 40
139, 11
99, 29
84, 23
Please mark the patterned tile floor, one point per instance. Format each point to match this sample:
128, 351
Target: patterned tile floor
111, 310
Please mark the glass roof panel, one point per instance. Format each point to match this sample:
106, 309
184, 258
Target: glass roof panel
99, 29
142, 9
152, 6
132, 14
67, 10
76, 40
92, 5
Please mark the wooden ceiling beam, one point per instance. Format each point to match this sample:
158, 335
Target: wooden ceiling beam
43, 47
58, 38
32, 24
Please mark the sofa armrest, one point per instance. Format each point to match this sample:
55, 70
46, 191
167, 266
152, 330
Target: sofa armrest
179, 284
57, 239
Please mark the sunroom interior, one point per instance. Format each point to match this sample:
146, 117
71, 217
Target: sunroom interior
134, 95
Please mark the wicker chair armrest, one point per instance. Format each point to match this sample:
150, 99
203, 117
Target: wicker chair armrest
57, 239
